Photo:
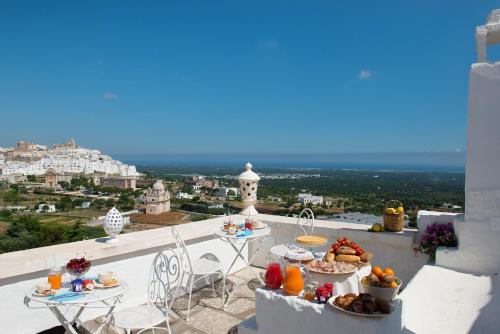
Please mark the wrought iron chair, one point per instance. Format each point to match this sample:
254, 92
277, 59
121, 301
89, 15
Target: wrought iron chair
165, 280
205, 267
305, 225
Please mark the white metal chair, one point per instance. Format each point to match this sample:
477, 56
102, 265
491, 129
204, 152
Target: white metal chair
305, 225
165, 279
207, 266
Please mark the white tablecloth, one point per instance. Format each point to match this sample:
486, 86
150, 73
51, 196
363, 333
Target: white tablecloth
344, 283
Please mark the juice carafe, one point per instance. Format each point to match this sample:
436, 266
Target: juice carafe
293, 283
55, 278
273, 277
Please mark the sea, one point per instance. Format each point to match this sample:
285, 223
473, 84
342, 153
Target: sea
433, 161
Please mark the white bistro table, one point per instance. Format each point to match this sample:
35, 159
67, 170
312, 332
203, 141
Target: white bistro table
238, 244
98, 298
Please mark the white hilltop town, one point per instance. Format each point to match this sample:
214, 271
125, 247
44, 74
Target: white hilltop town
27, 158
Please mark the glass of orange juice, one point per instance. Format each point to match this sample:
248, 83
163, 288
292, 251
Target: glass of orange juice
293, 283
55, 278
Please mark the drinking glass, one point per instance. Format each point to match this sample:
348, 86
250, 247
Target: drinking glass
55, 278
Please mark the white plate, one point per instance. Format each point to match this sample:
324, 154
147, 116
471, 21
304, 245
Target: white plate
331, 302
102, 286
260, 227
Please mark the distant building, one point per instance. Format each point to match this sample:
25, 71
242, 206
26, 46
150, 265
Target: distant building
274, 199
144, 183
198, 182
216, 206
52, 178
14, 178
226, 192
47, 207
157, 199
86, 205
451, 206
122, 182
196, 188
70, 144
309, 198
182, 195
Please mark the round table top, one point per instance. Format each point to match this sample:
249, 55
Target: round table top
96, 295
257, 233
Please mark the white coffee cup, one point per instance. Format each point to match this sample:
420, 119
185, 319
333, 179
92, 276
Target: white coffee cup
105, 276
42, 287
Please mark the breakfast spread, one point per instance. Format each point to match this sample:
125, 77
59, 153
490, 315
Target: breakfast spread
311, 240
364, 303
345, 250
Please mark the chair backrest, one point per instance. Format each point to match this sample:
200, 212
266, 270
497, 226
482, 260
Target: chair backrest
181, 248
165, 278
305, 223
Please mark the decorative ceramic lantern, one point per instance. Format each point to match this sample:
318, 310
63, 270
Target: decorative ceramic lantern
249, 181
113, 224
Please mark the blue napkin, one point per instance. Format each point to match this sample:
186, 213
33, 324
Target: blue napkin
66, 296
244, 233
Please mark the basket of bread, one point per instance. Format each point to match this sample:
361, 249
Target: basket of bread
345, 250
394, 216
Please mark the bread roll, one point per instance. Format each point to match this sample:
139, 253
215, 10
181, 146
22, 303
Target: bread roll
329, 257
346, 250
347, 258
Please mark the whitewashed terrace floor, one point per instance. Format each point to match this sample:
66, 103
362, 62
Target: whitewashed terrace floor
207, 315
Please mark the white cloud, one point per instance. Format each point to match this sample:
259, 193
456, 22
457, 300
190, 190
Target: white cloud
110, 96
268, 44
458, 150
365, 74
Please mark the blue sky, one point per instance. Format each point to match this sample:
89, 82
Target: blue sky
238, 76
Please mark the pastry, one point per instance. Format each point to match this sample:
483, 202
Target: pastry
357, 306
347, 258
345, 301
346, 250
329, 257
383, 306
311, 240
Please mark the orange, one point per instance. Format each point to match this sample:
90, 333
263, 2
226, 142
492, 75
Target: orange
389, 271
394, 285
377, 271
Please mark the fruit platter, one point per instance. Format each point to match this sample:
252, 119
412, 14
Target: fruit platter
363, 304
345, 250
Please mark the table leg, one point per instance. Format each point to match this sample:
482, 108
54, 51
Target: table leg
108, 315
63, 320
238, 255
247, 262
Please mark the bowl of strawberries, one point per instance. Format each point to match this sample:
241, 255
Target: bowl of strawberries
78, 266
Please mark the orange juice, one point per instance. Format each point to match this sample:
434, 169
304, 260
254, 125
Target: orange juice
55, 278
293, 284
55, 281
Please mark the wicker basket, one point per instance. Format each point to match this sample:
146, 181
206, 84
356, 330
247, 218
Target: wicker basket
394, 223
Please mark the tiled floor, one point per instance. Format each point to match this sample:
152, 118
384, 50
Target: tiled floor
207, 315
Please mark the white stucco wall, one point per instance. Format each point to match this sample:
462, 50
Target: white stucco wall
479, 233
482, 182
